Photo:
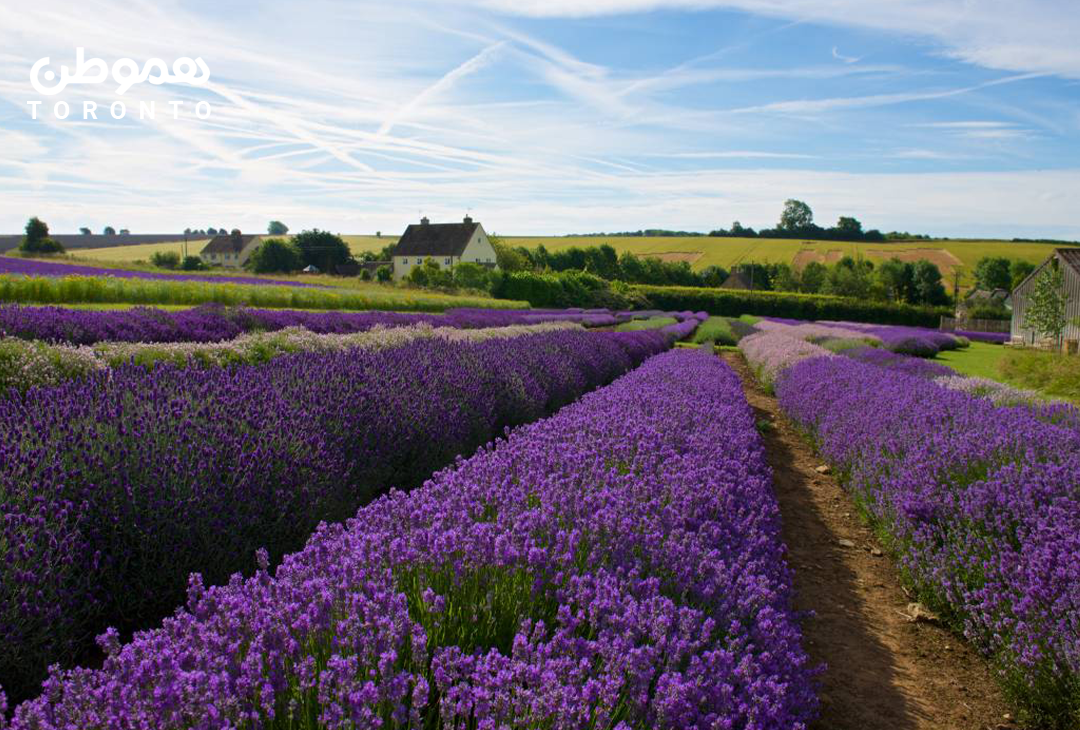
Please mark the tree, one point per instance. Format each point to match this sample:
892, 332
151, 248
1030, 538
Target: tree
1018, 271
897, 278
166, 259
849, 228
993, 272
109, 231
125, 232
796, 216
384, 273
713, 275
37, 238
277, 228
322, 249
469, 275
785, 278
193, 263
1045, 313
430, 274
813, 277
85, 231
276, 255
928, 286
211, 231
506, 258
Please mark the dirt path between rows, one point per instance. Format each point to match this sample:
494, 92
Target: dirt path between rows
884, 670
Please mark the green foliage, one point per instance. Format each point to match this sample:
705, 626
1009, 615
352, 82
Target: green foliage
470, 275
322, 249
732, 303
85, 231
988, 310
1045, 313
507, 258
1019, 270
276, 255
1051, 373
365, 275
566, 289
277, 228
796, 216
108, 231
37, 241
384, 274
993, 272
430, 274
166, 260
724, 331
928, 286
193, 263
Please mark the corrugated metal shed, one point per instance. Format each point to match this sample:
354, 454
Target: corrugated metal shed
1069, 261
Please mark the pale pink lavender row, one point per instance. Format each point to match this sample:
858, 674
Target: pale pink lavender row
984, 506
618, 565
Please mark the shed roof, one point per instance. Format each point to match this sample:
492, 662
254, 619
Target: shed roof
436, 239
1071, 256
737, 280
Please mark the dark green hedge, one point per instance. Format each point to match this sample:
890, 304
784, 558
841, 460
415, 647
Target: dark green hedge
732, 303
567, 289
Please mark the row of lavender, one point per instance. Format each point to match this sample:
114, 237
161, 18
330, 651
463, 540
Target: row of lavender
118, 484
618, 565
214, 323
36, 267
978, 488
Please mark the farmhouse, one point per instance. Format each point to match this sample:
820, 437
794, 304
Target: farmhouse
1068, 260
230, 251
448, 244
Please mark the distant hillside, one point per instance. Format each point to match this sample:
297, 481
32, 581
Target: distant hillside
77, 240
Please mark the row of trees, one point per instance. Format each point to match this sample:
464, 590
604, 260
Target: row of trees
998, 272
106, 231
321, 249
918, 282
797, 221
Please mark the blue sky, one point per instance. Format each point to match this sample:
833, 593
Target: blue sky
952, 117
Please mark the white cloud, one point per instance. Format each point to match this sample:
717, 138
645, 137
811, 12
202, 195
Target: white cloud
1028, 36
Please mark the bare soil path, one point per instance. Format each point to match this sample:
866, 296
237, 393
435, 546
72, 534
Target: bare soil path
884, 670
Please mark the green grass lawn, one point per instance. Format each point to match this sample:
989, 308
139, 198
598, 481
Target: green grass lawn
980, 360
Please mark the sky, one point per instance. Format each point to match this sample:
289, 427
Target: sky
545, 117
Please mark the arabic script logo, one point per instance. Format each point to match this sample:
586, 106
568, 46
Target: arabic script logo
125, 72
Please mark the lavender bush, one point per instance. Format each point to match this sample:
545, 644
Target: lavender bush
770, 353
901, 363
214, 323
982, 504
616, 566
117, 485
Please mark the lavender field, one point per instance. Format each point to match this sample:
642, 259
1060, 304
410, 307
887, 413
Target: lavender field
239, 517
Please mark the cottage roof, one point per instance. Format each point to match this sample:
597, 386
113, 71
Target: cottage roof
737, 280
228, 244
436, 239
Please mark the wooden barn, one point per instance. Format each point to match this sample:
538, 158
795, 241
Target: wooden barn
1068, 260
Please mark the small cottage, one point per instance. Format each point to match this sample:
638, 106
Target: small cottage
231, 251
1068, 260
448, 244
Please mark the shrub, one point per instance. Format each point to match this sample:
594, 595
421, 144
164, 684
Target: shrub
470, 275
37, 239
384, 273
732, 303
276, 255
166, 260
193, 263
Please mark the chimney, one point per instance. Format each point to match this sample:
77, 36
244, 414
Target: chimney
424, 221
468, 219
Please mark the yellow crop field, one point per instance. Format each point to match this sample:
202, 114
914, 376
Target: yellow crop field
698, 251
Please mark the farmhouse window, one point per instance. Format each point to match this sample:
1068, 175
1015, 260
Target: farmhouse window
447, 261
